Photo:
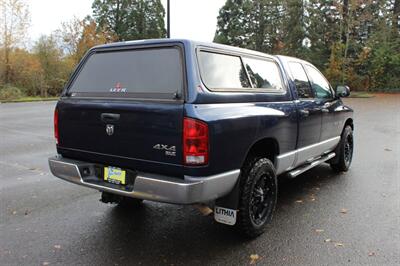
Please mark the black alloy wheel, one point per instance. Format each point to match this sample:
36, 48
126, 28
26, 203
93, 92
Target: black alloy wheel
348, 149
258, 196
344, 151
262, 199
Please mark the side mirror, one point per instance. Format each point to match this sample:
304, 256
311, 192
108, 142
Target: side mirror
342, 91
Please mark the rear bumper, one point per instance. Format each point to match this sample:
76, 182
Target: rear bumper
149, 186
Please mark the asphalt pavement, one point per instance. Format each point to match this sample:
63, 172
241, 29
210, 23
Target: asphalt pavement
322, 218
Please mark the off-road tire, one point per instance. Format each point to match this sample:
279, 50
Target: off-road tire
344, 151
254, 172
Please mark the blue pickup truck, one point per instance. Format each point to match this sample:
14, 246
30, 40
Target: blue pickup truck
185, 122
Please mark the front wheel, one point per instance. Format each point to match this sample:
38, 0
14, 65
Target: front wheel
258, 196
344, 151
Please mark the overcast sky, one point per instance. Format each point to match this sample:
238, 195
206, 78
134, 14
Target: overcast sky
192, 19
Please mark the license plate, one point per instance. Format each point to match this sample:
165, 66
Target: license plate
115, 175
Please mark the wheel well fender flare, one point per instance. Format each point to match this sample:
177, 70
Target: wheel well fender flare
264, 147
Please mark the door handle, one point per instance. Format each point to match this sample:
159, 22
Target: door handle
304, 113
109, 117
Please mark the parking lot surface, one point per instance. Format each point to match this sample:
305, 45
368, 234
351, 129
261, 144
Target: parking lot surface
322, 218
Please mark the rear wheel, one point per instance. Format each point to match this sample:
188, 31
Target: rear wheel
258, 196
344, 151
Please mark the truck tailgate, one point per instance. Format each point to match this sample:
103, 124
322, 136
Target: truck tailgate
144, 130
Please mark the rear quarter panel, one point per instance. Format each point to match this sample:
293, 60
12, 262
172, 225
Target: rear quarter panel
235, 127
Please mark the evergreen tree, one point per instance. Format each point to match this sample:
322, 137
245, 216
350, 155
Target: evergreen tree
396, 18
266, 25
233, 23
253, 24
323, 30
383, 64
294, 22
130, 19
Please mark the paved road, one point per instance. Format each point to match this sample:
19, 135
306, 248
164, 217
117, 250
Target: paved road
45, 221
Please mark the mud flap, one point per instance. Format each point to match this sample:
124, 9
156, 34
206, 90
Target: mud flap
226, 208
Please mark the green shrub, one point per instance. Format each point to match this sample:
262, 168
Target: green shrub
385, 90
10, 93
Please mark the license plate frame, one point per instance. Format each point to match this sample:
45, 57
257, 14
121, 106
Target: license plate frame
114, 175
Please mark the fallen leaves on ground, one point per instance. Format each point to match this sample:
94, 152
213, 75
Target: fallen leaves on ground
254, 258
344, 211
204, 209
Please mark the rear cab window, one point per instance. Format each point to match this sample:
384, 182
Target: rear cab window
134, 73
234, 73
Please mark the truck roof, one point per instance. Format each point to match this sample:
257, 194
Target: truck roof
186, 42
286, 58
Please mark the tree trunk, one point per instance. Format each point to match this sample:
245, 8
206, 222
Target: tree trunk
345, 11
346, 34
7, 70
396, 17
117, 26
6, 48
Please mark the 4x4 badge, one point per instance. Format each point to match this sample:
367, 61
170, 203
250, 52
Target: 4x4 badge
169, 149
109, 129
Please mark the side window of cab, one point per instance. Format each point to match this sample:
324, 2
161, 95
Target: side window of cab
320, 86
301, 81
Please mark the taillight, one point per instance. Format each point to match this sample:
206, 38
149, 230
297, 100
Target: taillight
56, 125
195, 142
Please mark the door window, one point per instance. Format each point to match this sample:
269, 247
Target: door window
320, 85
301, 81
